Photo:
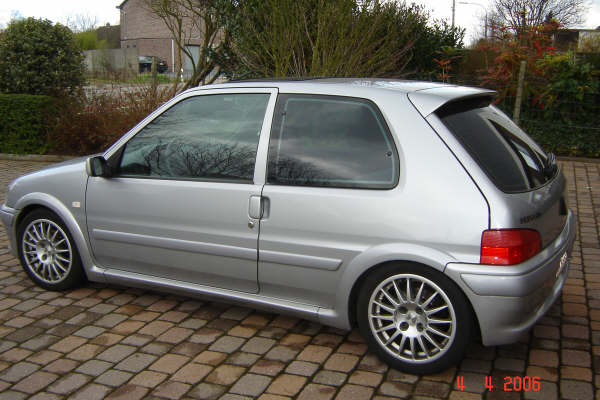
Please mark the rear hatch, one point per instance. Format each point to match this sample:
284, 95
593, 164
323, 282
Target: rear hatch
528, 187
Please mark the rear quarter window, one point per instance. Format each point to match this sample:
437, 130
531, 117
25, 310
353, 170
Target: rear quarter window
510, 158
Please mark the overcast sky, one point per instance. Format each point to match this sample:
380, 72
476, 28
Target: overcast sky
467, 15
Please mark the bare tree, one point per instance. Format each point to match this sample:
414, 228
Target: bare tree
521, 14
197, 22
81, 22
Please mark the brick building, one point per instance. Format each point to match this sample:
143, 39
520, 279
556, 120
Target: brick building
146, 32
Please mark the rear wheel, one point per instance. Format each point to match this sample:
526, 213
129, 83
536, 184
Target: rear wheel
414, 318
47, 251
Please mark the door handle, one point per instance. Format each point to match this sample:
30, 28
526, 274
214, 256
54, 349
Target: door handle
255, 209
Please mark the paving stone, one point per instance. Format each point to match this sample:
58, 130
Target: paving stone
354, 392
287, 385
341, 362
15, 355
169, 363
148, 379
225, 375
281, 353
575, 390
44, 357
35, 382
128, 392
136, 362
258, 345
61, 366
365, 378
91, 392
207, 391
317, 392
107, 339
576, 373
576, 358
19, 371
432, 389
395, 389
157, 348
251, 385
227, 344
116, 353
93, 367
110, 320
210, 357
192, 373
267, 367
302, 368
68, 344
242, 359
68, 384
330, 378
40, 342
89, 332
543, 358
113, 378
171, 390
85, 352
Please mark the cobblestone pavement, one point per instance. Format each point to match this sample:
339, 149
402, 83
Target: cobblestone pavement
108, 341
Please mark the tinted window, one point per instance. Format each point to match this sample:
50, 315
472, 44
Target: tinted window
507, 155
205, 137
330, 141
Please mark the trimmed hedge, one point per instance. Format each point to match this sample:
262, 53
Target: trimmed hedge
24, 123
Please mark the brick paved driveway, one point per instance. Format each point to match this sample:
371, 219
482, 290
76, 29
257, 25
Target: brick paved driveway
108, 341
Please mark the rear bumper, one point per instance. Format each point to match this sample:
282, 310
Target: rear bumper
8, 216
509, 300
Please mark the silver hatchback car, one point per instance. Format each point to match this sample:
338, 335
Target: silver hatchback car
417, 211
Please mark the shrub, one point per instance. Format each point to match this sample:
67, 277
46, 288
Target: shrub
24, 123
90, 124
37, 57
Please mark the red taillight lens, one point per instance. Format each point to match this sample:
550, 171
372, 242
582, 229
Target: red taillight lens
509, 246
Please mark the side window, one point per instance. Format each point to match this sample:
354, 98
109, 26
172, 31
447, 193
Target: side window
210, 137
330, 141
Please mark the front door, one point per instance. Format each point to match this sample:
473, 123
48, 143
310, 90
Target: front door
178, 204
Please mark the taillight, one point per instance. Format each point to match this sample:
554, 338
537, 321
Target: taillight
509, 246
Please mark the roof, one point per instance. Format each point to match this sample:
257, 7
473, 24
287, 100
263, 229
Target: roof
122, 4
425, 96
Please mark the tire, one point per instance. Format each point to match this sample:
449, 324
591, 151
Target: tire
414, 318
48, 252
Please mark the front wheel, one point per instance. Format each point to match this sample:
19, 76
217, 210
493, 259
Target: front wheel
47, 251
414, 318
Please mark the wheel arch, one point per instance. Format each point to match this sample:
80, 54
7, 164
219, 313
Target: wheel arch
352, 298
36, 200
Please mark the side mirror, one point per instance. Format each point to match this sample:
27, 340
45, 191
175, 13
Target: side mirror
97, 166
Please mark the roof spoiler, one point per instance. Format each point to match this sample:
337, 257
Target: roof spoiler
427, 101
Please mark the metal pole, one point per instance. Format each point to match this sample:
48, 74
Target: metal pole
453, 12
519, 98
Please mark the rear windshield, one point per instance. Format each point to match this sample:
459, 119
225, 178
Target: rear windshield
512, 160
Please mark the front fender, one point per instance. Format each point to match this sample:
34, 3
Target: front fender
59, 208
392, 252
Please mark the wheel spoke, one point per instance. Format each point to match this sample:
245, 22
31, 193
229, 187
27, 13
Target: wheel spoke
393, 337
418, 296
439, 321
408, 297
389, 309
420, 340
439, 333
429, 300
383, 317
398, 292
394, 302
385, 328
412, 347
435, 310
62, 259
430, 340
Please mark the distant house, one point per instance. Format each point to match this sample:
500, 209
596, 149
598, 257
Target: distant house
575, 39
146, 32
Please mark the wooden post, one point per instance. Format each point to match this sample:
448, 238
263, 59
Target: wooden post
154, 76
519, 99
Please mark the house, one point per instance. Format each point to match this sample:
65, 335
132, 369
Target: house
143, 30
581, 40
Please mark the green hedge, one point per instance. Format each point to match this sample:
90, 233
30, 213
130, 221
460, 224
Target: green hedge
24, 123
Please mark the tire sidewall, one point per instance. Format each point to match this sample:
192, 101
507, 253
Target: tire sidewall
75, 276
464, 318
